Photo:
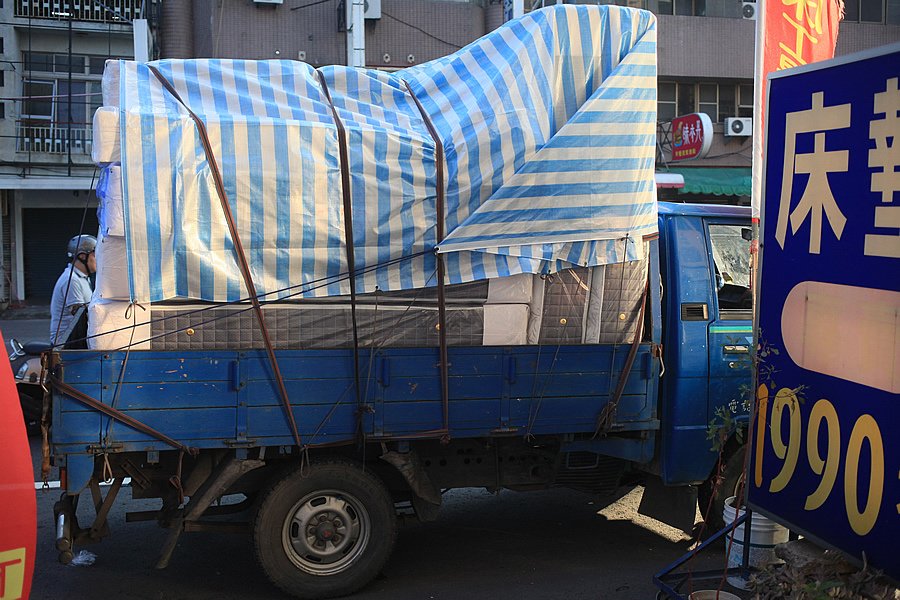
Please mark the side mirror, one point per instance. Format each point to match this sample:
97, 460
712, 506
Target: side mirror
747, 233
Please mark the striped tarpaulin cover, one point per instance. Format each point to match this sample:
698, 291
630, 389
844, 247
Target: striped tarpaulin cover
547, 124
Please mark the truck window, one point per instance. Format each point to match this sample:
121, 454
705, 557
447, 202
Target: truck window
731, 262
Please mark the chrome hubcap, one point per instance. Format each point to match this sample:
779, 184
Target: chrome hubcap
325, 532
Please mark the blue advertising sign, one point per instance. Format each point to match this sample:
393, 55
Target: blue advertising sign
826, 441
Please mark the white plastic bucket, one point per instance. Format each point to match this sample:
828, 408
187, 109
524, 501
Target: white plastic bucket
765, 534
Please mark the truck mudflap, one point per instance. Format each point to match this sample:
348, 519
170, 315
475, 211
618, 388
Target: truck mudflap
68, 531
227, 472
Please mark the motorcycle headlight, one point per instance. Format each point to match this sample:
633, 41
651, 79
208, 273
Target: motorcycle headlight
22, 372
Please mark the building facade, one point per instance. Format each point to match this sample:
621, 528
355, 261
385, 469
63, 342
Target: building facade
52, 55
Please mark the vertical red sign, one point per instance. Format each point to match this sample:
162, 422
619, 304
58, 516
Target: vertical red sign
799, 32
790, 33
18, 525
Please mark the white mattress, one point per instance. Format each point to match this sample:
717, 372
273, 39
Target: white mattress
111, 212
112, 269
110, 84
106, 145
112, 325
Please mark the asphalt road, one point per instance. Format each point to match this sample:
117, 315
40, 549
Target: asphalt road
537, 545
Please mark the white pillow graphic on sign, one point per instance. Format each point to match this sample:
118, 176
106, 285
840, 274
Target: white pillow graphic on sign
848, 332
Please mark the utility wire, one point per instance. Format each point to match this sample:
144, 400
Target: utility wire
420, 30
310, 4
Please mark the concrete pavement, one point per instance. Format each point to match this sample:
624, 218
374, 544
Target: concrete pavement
26, 324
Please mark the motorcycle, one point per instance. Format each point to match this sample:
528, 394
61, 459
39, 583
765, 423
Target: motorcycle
25, 360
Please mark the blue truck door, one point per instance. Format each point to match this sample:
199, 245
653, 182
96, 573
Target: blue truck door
730, 324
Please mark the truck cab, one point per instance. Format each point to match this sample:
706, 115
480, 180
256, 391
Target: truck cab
707, 337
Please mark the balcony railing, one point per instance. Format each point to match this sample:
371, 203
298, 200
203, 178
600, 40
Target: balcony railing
107, 11
53, 139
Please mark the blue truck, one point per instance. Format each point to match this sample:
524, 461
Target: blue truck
192, 427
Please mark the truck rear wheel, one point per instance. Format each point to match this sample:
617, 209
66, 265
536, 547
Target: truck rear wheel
325, 531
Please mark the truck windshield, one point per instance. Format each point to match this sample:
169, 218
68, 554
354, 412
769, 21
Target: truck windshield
731, 257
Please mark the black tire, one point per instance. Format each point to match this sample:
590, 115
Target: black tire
350, 528
731, 479
31, 412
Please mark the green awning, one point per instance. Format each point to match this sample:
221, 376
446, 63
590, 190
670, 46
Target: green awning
731, 181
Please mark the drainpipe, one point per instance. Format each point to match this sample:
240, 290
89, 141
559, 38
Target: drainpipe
356, 33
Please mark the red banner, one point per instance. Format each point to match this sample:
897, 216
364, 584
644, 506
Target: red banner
799, 32
18, 524
790, 33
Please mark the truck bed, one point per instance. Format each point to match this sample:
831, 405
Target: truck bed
218, 399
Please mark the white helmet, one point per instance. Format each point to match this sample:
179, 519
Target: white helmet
81, 244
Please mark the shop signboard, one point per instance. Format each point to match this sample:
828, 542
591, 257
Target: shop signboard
825, 459
691, 136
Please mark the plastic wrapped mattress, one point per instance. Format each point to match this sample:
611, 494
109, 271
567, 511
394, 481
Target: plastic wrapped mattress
574, 306
547, 127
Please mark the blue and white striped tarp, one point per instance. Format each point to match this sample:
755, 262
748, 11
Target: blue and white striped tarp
548, 127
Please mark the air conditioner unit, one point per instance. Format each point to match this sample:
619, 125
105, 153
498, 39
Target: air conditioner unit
738, 127
373, 9
748, 10
268, 1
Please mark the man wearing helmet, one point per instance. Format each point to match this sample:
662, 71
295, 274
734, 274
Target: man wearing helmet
73, 288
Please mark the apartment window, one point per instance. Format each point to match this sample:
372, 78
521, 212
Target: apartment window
893, 12
96, 64
38, 61
689, 8
666, 101
2, 110
38, 102
745, 101
872, 11
60, 94
674, 99
709, 100
2, 78
629, 3
686, 96
77, 64
718, 100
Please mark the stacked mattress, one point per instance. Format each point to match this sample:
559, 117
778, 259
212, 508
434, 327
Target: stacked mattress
573, 306
548, 191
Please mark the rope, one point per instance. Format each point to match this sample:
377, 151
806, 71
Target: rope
117, 415
607, 415
444, 360
120, 379
532, 417
348, 233
238, 249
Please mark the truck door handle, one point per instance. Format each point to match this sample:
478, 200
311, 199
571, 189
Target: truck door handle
738, 349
